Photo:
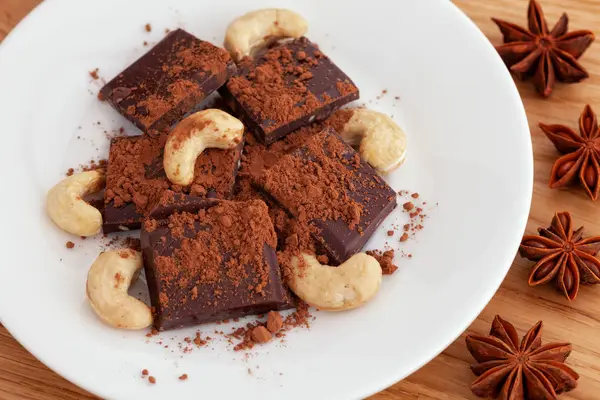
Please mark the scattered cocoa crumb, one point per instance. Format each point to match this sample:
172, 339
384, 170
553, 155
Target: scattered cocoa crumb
404, 237
94, 74
408, 206
91, 165
145, 372
198, 341
260, 334
397, 97
385, 259
415, 195
152, 380
69, 245
183, 377
299, 318
274, 321
390, 233
153, 332
148, 28
323, 259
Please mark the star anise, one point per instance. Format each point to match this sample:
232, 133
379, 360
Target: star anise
514, 371
581, 158
563, 255
542, 54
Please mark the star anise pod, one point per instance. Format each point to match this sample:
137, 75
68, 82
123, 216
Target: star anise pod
581, 158
513, 371
542, 54
562, 255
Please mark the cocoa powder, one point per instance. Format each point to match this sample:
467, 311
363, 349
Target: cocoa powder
385, 259
135, 173
276, 87
200, 259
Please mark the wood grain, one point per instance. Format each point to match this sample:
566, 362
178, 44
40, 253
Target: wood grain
447, 377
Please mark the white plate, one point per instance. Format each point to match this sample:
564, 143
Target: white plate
469, 151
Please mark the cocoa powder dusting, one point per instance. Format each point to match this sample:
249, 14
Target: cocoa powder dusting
257, 157
200, 260
317, 171
172, 87
276, 88
135, 173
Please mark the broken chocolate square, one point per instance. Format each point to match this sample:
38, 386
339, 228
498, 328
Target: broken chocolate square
214, 263
286, 88
168, 81
326, 184
135, 178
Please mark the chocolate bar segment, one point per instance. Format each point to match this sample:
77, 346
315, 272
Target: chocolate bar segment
135, 179
215, 263
326, 184
286, 88
158, 89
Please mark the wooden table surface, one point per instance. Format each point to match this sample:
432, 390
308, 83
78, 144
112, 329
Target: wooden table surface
448, 376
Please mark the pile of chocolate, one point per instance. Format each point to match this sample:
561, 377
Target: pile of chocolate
264, 219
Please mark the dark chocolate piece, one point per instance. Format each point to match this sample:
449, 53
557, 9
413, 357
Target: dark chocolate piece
327, 184
159, 88
288, 87
215, 263
136, 179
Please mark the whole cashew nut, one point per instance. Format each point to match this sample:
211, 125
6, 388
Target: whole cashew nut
257, 29
381, 142
210, 128
68, 210
108, 280
348, 286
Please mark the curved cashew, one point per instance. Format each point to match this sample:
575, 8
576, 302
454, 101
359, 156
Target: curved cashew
210, 128
108, 280
382, 143
68, 210
257, 29
348, 286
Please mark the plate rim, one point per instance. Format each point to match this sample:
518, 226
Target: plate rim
520, 221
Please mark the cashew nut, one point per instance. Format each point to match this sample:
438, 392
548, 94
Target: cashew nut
381, 142
108, 280
68, 210
210, 128
348, 286
259, 28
